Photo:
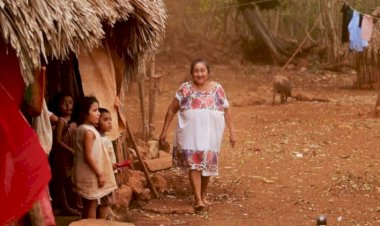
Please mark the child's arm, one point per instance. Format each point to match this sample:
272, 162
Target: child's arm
88, 142
59, 130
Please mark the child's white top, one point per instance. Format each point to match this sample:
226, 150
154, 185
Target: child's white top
109, 148
84, 178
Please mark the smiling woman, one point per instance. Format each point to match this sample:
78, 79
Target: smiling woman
203, 112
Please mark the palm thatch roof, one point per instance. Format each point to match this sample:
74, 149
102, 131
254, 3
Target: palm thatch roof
140, 34
55, 28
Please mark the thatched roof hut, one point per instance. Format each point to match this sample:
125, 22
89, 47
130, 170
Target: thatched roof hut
52, 29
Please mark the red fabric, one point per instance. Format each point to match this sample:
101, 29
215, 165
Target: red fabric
10, 75
24, 169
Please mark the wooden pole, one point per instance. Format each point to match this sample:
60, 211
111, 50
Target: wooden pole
145, 131
152, 95
145, 170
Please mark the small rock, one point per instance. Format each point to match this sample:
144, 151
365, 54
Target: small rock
123, 196
160, 183
153, 148
145, 195
136, 185
99, 222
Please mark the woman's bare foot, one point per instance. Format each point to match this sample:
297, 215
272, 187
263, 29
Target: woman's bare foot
207, 203
199, 205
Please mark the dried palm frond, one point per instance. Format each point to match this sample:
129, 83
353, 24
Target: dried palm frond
55, 28
141, 34
36, 28
112, 10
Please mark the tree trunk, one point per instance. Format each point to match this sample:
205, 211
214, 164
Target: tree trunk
258, 28
330, 34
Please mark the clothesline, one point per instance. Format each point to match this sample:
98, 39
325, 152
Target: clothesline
226, 7
360, 11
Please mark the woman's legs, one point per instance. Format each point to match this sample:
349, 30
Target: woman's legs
89, 208
196, 183
204, 186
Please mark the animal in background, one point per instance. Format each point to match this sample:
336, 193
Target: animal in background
282, 86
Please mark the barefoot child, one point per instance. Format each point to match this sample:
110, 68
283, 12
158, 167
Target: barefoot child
104, 126
92, 172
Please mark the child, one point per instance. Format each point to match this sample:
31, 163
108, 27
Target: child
104, 126
63, 155
92, 172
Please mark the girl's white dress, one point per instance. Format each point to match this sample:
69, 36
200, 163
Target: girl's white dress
84, 178
200, 128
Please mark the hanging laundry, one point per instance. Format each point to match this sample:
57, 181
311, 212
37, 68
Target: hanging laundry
346, 18
356, 41
360, 20
367, 27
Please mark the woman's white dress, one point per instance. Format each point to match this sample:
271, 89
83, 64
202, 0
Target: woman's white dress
200, 128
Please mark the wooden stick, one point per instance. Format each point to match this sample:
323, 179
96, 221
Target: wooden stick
152, 95
145, 131
145, 170
126, 152
300, 46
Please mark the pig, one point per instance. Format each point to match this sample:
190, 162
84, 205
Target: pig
281, 85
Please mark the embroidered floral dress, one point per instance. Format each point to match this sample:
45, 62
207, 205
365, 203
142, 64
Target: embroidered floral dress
200, 128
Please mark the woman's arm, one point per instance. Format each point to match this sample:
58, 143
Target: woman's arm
88, 142
58, 135
228, 119
172, 110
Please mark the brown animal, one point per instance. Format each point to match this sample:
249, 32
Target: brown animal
282, 86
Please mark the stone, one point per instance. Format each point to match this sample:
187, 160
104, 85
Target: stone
158, 164
169, 207
163, 154
154, 147
99, 222
151, 220
139, 176
123, 196
136, 185
145, 195
159, 182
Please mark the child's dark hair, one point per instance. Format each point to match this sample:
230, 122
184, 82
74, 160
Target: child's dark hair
196, 61
55, 102
103, 110
82, 108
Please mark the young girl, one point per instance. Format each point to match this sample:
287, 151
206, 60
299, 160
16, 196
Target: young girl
92, 172
63, 155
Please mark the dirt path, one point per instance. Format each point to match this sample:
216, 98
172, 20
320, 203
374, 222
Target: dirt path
293, 162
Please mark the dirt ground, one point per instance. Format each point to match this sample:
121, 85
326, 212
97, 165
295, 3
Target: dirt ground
292, 162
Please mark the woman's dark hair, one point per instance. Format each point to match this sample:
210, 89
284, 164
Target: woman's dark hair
196, 61
82, 108
55, 102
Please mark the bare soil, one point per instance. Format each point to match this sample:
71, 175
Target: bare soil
293, 162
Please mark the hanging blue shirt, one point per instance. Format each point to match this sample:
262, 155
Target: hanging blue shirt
356, 41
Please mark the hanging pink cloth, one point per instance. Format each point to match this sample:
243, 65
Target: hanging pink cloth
367, 27
24, 169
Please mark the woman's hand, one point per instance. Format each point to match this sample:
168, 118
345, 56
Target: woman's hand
163, 137
232, 139
101, 180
